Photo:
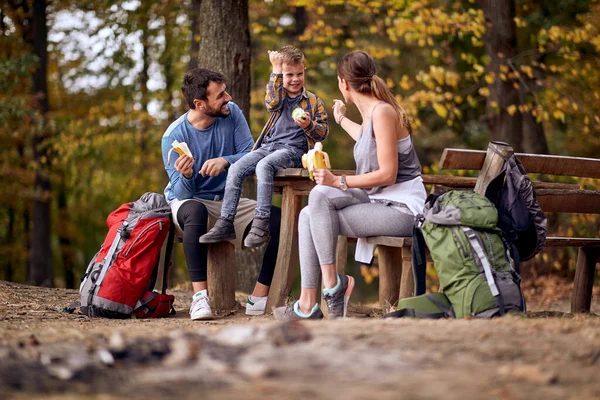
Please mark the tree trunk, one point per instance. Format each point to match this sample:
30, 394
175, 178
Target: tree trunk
224, 46
500, 44
195, 39
66, 245
41, 254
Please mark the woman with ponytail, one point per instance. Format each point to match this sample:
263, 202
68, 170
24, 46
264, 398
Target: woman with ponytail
381, 199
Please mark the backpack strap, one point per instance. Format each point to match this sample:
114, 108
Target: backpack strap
483, 258
446, 312
419, 261
121, 234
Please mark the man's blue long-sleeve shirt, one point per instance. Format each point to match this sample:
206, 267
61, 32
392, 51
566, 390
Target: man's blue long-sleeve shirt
227, 137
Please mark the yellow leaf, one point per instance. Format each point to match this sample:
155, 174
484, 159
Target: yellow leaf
558, 114
512, 109
440, 110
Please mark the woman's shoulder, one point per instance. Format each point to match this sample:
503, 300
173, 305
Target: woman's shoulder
384, 110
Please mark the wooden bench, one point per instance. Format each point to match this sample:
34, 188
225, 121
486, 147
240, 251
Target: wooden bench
553, 197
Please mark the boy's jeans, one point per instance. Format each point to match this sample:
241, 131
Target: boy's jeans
265, 161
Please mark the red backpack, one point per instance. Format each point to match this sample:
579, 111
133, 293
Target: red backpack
119, 281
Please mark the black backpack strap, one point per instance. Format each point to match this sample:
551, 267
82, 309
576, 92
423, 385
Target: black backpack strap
168, 255
448, 311
419, 261
409, 312
445, 312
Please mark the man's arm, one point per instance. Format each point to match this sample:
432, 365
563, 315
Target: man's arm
241, 135
182, 187
318, 129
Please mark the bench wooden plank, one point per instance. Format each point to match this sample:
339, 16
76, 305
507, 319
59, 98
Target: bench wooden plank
391, 241
569, 201
572, 242
533, 163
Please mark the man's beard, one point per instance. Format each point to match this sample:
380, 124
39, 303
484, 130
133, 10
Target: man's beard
218, 113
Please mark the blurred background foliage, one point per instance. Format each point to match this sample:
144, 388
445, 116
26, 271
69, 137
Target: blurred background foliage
114, 69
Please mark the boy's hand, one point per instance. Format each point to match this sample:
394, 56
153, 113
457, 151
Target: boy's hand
276, 60
184, 165
213, 167
303, 121
339, 110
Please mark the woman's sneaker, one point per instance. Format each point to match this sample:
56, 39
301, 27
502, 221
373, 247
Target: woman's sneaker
291, 312
256, 305
200, 308
337, 298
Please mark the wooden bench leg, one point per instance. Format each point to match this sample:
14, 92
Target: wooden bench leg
389, 275
221, 276
287, 256
407, 283
584, 279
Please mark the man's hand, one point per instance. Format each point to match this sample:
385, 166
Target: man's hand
214, 167
276, 60
185, 164
303, 121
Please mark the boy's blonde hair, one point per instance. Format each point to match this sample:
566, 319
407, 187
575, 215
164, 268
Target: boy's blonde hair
291, 55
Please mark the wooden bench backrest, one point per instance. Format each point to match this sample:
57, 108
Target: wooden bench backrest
551, 200
533, 163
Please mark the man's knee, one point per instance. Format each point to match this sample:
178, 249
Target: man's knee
192, 213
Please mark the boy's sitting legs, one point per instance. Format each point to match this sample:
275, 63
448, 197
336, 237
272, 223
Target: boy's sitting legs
282, 157
224, 227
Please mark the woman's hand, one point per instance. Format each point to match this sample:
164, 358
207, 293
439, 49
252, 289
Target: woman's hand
325, 177
339, 110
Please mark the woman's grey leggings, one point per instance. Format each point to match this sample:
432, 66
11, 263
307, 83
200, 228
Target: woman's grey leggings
332, 212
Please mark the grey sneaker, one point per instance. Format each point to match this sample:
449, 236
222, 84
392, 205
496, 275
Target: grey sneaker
337, 303
221, 232
287, 313
259, 233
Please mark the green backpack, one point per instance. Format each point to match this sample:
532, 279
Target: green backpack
470, 257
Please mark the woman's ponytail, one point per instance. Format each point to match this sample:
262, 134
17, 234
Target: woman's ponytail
380, 90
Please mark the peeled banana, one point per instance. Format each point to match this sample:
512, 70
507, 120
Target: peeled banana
315, 158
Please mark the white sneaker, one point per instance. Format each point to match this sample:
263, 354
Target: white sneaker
200, 308
256, 305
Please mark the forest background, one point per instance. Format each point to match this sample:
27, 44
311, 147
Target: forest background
87, 88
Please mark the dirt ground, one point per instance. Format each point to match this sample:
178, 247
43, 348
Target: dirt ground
46, 353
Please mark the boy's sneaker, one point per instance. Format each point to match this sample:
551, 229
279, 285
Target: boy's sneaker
256, 305
259, 233
222, 231
200, 308
337, 302
288, 313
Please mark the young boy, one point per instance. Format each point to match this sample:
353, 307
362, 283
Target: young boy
281, 144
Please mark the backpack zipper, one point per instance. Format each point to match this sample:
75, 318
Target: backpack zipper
457, 240
141, 234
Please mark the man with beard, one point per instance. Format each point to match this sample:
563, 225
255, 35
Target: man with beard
217, 135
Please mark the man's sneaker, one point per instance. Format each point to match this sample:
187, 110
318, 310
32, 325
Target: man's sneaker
288, 313
200, 308
221, 232
259, 233
337, 302
256, 305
